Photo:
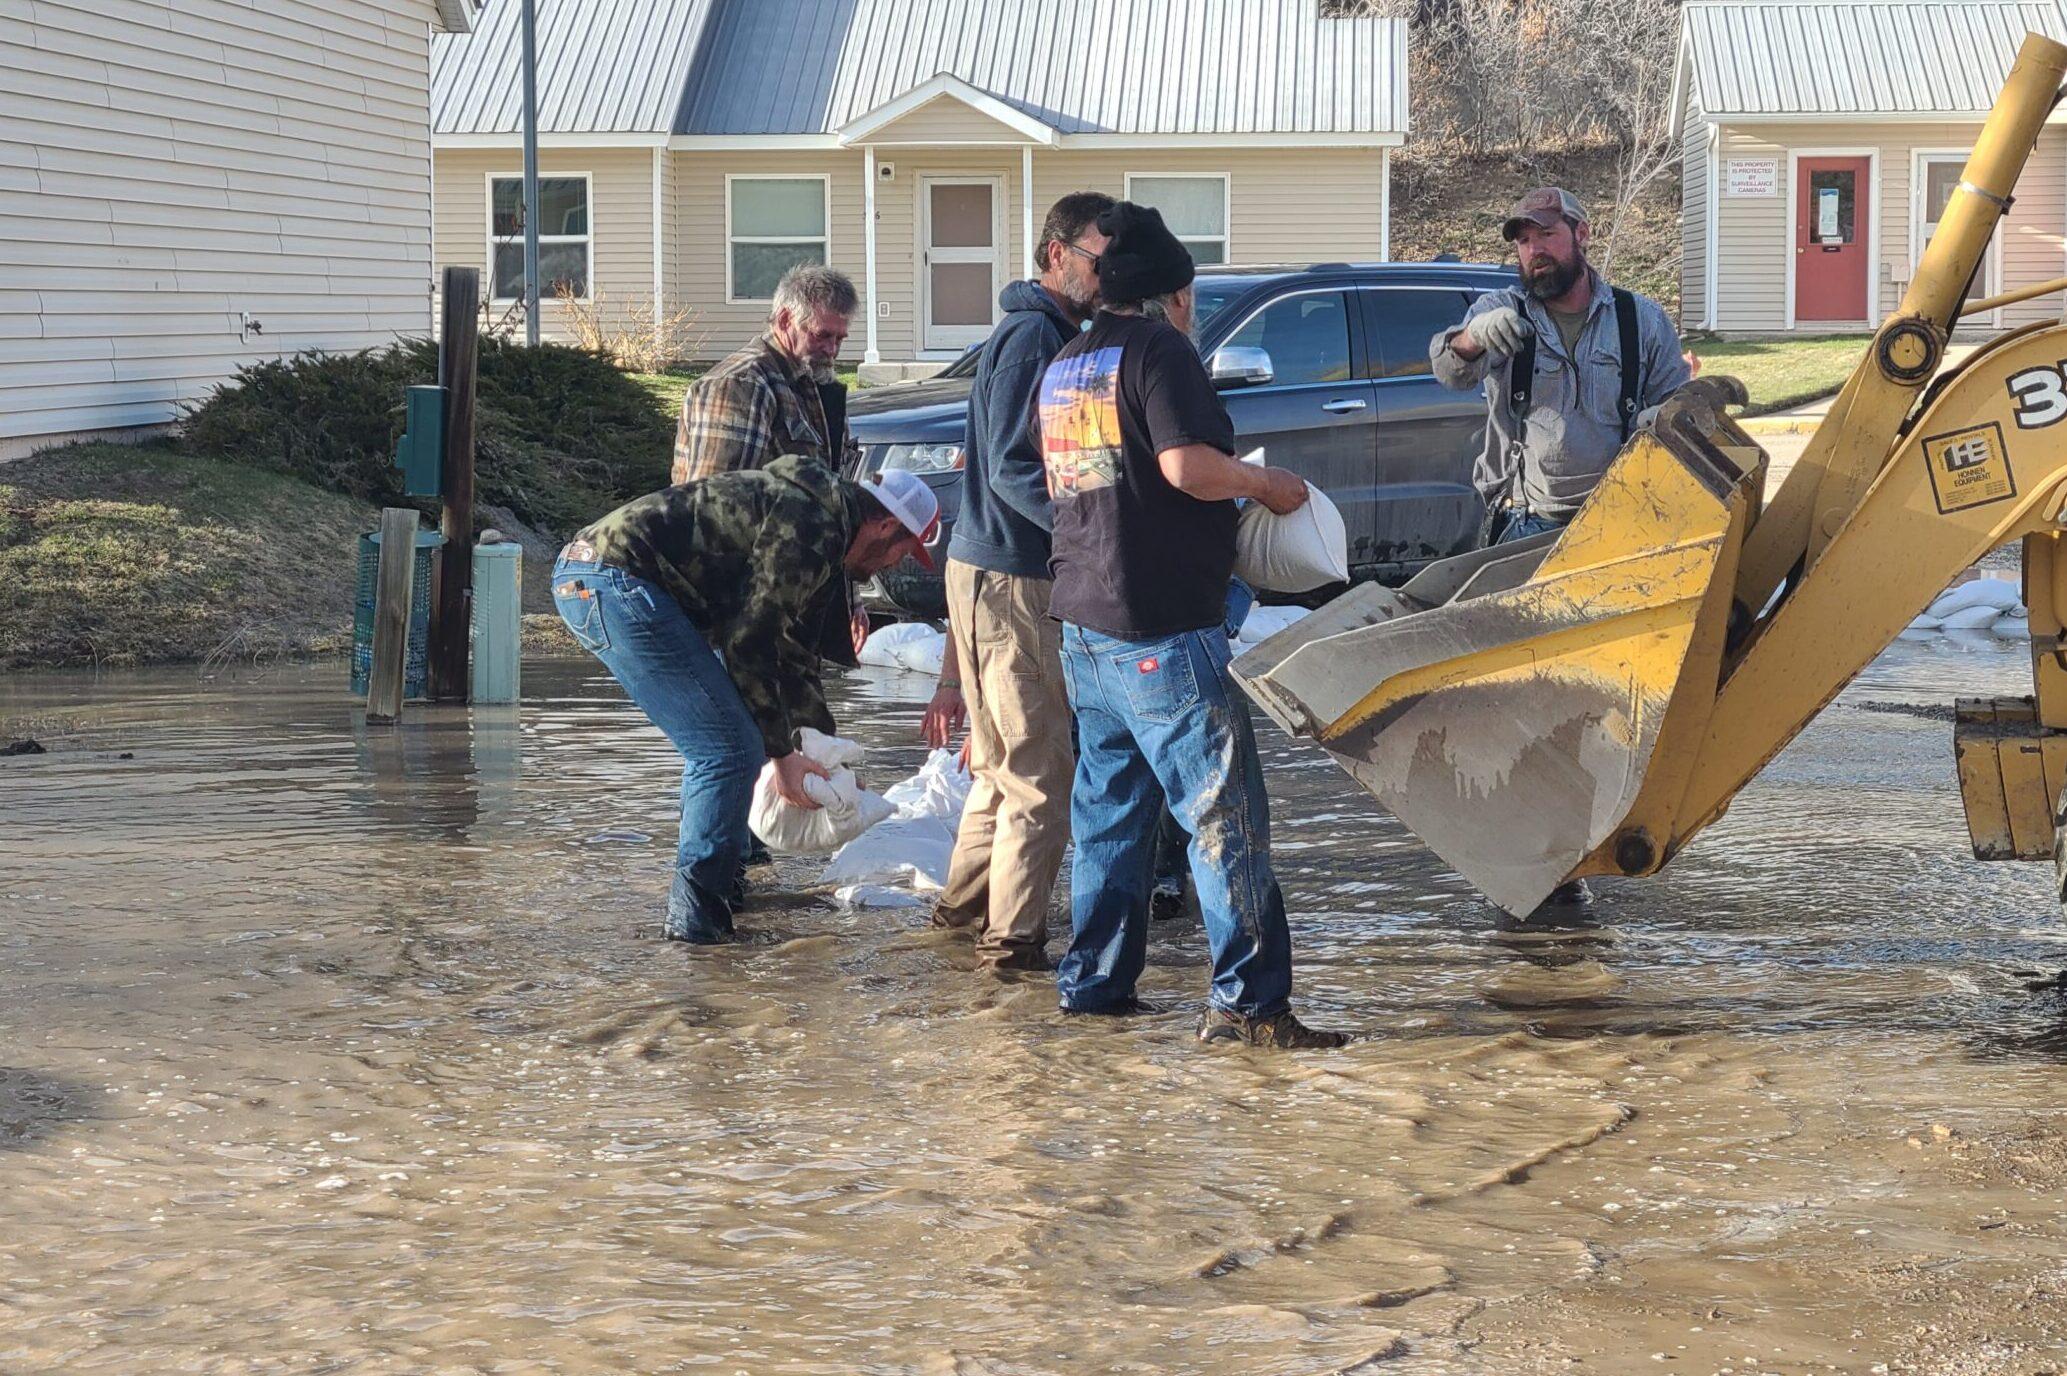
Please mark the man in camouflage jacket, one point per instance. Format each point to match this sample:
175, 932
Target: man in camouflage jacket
746, 565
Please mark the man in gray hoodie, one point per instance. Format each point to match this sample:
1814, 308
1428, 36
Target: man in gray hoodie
1005, 654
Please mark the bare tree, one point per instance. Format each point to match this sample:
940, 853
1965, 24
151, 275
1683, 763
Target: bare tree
1623, 52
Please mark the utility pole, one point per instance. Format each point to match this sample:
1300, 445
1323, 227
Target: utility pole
531, 172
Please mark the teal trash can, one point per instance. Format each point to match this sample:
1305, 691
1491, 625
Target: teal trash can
416, 667
495, 671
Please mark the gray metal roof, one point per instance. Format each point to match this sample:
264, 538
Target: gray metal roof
604, 67
813, 66
1907, 57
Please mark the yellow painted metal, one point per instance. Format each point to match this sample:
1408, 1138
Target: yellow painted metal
2013, 297
2045, 595
1854, 442
1976, 737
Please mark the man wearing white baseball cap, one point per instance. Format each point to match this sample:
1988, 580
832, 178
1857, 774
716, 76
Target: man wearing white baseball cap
749, 564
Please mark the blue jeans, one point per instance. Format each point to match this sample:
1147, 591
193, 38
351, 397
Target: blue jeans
1159, 720
1520, 525
666, 666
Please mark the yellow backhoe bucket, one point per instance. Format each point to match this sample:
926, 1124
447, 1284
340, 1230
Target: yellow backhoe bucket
1508, 706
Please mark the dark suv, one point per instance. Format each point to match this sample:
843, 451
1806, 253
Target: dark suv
1326, 367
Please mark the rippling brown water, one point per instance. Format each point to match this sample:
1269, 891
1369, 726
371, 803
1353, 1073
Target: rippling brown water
334, 1050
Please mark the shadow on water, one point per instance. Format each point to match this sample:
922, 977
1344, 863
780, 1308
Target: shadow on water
35, 1105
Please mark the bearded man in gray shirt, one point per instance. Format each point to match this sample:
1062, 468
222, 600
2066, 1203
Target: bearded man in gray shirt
1571, 367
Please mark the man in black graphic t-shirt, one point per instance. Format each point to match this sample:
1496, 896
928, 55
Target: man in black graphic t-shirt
1140, 461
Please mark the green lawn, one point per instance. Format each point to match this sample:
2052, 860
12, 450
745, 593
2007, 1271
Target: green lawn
1780, 373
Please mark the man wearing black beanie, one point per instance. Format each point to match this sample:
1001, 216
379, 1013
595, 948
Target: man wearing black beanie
1139, 454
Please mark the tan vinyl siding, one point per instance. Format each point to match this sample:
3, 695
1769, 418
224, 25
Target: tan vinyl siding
1287, 205
1756, 239
620, 222
944, 120
167, 166
1693, 218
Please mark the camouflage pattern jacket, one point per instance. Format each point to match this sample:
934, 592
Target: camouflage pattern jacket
756, 561
754, 407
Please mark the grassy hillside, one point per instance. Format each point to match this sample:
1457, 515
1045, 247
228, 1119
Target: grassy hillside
119, 555
1444, 203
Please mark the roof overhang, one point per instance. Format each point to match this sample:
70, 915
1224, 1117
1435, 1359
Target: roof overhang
548, 139
457, 16
948, 86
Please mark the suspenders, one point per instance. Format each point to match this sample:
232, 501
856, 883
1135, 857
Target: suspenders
1521, 381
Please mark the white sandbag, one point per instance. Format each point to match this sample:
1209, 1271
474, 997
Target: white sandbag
1999, 593
2012, 627
1264, 622
922, 656
845, 809
1925, 623
911, 850
1299, 552
880, 649
1976, 617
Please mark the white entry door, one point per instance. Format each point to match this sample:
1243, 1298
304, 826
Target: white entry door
961, 259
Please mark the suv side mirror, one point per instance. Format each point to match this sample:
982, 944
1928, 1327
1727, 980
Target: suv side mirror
1236, 365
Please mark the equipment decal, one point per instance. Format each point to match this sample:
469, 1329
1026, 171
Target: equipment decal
2041, 395
1970, 467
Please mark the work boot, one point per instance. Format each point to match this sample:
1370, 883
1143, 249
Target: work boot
1575, 894
1166, 904
1016, 958
1129, 1007
1280, 1031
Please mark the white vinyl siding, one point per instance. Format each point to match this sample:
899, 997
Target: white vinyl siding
1754, 238
620, 225
1195, 208
1693, 217
170, 169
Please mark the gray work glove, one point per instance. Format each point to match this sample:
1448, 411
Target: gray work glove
1500, 331
1646, 418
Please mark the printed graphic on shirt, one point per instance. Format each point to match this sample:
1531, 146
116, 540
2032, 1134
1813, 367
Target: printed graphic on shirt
1080, 422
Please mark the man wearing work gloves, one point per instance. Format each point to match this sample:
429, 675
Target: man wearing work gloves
1140, 463
1571, 368
1006, 649
748, 564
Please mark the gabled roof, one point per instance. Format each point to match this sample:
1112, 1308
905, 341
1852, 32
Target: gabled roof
947, 86
604, 67
1905, 58
814, 68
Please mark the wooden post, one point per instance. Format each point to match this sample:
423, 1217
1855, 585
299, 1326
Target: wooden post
393, 588
453, 584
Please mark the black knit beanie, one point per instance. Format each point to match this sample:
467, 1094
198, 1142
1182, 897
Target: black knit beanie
1144, 258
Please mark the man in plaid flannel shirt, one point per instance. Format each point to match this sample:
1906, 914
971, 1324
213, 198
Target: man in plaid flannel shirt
778, 395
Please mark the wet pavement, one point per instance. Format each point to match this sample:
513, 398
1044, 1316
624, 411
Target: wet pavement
327, 1049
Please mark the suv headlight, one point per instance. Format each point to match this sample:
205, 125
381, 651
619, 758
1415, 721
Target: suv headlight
918, 458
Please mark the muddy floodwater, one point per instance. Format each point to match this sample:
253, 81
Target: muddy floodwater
328, 1049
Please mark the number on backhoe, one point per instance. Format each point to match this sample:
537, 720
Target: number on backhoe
2041, 395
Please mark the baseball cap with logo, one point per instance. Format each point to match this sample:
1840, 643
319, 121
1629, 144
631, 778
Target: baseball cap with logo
905, 495
1543, 207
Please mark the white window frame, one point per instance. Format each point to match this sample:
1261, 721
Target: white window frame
588, 275
825, 191
1991, 279
1226, 236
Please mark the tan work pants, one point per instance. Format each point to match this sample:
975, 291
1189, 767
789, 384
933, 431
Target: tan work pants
1016, 822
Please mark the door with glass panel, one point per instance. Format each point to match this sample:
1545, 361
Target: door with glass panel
1937, 176
961, 259
1833, 215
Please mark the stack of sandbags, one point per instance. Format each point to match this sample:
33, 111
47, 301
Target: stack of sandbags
909, 645
902, 861
1983, 605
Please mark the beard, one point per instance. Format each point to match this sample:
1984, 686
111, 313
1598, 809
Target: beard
1550, 280
822, 370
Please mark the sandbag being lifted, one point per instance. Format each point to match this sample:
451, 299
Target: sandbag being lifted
845, 809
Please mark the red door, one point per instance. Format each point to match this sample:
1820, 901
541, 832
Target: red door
1831, 230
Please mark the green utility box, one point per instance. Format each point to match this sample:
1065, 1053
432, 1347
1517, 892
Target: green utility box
421, 454
496, 662
415, 663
